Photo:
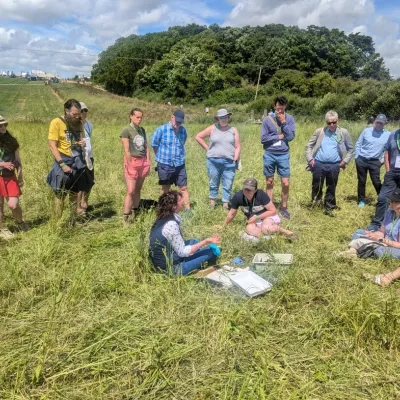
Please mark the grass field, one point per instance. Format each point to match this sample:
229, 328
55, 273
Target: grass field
83, 316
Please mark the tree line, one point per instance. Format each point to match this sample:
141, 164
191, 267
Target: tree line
316, 67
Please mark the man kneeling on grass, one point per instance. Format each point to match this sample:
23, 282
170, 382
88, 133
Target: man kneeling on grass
259, 210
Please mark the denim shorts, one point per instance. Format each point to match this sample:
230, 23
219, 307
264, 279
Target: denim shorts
279, 162
168, 175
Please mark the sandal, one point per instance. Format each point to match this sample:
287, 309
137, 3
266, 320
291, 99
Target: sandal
6, 234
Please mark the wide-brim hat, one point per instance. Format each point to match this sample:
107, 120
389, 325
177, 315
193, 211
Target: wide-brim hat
3, 121
223, 112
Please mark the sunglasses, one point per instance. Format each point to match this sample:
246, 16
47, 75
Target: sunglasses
224, 117
5, 125
332, 123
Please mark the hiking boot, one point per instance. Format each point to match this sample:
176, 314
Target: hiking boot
285, 213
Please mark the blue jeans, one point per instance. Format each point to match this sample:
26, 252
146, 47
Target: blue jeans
390, 182
381, 251
195, 261
221, 168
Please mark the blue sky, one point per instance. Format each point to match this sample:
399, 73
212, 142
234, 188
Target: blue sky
71, 34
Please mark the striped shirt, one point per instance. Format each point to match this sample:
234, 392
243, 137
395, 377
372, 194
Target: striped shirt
168, 145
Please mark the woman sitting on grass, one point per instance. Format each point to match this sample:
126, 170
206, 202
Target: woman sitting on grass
168, 251
10, 178
383, 243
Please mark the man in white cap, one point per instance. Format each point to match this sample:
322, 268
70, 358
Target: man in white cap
369, 156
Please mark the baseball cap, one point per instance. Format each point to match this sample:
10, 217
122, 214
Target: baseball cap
83, 106
395, 196
179, 115
381, 118
250, 183
222, 113
3, 121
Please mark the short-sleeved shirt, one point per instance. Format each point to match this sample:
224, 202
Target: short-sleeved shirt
254, 207
65, 139
394, 153
137, 140
170, 145
391, 225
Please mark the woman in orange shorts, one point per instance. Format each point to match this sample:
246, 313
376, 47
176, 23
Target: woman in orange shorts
10, 178
136, 161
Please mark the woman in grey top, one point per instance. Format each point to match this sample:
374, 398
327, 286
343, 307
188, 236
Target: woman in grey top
223, 151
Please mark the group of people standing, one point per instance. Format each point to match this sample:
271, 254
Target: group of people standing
329, 150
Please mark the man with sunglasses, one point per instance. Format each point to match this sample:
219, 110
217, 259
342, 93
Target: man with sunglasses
369, 156
391, 181
324, 153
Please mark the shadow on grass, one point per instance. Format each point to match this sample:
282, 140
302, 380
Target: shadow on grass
100, 211
368, 199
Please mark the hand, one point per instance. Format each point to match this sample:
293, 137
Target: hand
342, 164
251, 220
67, 169
20, 182
281, 137
128, 158
9, 166
373, 235
82, 143
311, 163
215, 239
281, 117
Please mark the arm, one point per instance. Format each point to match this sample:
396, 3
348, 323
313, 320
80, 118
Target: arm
310, 146
19, 170
125, 145
57, 156
237, 145
289, 129
202, 135
270, 211
386, 160
349, 147
358, 144
155, 140
266, 135
232, 213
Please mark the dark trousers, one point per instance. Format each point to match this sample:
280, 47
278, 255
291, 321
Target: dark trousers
329, 173
391, 181
373, 166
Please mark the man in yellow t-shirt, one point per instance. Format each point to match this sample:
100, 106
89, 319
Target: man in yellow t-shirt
66, 141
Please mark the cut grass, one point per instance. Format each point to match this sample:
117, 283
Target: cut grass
84, 317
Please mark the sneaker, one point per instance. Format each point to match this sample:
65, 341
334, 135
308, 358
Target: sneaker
361, 204
249, 238
6, 234
285, 213
329, 212
22, 226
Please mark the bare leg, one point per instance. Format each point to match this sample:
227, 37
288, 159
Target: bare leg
269, 226
384, 279
185, 196
270, 187
13, 203
73, 202
254, 230
165, 188
285, 192
84, 199
2, 213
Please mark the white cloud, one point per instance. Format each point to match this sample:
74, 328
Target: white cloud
363, 29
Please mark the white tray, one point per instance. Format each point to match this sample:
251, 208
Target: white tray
250, 283
265, 258
219, 278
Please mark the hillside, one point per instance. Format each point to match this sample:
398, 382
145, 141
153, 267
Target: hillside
83, 316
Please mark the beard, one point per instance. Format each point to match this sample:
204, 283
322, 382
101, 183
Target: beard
73, 124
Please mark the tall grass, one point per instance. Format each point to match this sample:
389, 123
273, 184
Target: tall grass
84, 317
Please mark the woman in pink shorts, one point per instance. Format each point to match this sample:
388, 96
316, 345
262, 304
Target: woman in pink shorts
136, 161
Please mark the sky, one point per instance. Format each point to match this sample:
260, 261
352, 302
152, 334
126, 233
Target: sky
65, 37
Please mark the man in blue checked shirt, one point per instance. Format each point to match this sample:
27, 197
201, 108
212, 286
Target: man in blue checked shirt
168, 143
369, 156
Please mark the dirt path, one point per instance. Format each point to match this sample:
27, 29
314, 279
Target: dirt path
56, 94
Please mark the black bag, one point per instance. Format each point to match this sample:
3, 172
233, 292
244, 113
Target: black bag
367, 250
